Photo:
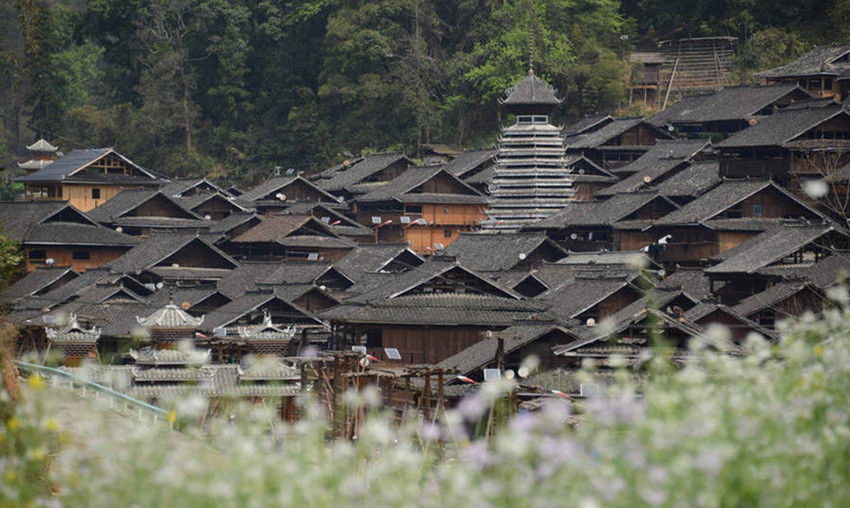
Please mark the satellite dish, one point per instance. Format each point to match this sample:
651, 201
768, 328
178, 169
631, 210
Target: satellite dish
522, 256
185, 305
207, 217
591, 322
175, 265
323, 287
346, 163
647, 179
509, 374
376, 220
340, 199
439, 246
281, 196
670, 128
119, 229
662, 272
573, 236
405, 219
159, 285
49, 261
752, 121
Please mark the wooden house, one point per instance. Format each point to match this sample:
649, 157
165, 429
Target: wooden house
646, 84
57, 234
725, 217
141, 212
87, 178
824, 72
783, 146
428, 313
177, 258
750, 267
502, 252
289, 237
617, 143
589, 226
282, 192
358, 176
787, 299
727, 111
588, 177
424, 207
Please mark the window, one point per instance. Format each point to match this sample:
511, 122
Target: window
414, 208
756, 210
447, 233
38, 255
540, 119
95, 193
827, 83
524, 119
374, 338
81, 254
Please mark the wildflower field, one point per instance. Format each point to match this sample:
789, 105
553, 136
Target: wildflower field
770, 427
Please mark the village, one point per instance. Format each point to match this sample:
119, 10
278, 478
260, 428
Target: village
427, 277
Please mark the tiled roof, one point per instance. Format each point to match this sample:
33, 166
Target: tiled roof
817, 61
469, 161
371, 164
66, 166
599, 213
70, 233
731, 103
170, 316
531, 90
719, 199
773, 295
498, 251
483, 352
16, 217
276, 227
157, 248
698, 178
768, 248
782, 127
602, 135
442, 309
266, 189
37, 280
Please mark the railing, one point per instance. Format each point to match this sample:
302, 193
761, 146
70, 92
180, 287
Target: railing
84, 384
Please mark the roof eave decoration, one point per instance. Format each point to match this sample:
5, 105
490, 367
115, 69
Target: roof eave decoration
73, 332
531, 90
170, 317
266, 330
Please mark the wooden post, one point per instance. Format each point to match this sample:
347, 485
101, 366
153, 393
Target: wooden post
427, 394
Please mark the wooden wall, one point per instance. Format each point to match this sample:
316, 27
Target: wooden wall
429, 345
730, 239
633, 240
80, 195
64, 256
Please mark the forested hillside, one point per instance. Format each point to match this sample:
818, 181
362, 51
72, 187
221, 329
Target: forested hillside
240, 86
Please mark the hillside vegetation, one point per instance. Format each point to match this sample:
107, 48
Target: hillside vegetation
238, 87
